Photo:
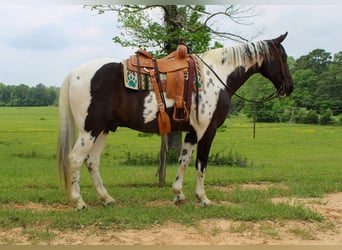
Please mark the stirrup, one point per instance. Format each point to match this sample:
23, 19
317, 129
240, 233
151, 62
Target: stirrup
180, 114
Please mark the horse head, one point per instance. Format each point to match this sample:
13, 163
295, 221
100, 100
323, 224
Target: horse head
276, 68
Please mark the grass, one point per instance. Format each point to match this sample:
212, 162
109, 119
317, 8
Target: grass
304, 234
303, 159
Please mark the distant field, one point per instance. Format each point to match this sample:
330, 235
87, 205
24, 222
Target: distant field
301, 160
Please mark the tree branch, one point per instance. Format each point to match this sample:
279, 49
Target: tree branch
211, 19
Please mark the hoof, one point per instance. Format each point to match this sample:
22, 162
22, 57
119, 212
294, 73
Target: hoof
81, 206
179, 199
203, 200
109, 201
206, 202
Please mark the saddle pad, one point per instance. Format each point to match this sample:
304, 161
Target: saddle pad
131, 78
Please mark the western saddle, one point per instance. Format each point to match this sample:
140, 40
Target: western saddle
179, 68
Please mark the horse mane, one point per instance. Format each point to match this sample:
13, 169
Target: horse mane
246, 54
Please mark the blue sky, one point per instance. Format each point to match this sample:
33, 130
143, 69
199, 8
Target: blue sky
42, 43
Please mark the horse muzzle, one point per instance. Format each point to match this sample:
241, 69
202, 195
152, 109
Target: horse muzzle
285, 91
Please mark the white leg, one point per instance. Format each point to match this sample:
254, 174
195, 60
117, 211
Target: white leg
93, 165
200, 192
184, 160
77, 157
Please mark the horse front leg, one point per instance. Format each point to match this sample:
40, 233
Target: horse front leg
93, 164
183, 161
203, 149
200, 190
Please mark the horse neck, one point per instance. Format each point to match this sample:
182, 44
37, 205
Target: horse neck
238, 77
236, 64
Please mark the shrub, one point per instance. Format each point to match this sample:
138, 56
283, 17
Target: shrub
267, 116
311, 117
172, 156
307, 117
326, 117
233, 159
140, 159
299, 115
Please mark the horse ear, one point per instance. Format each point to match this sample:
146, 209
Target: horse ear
277, 41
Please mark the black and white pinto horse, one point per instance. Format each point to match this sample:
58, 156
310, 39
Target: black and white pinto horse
93, 101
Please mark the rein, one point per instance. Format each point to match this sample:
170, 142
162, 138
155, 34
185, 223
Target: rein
272, 96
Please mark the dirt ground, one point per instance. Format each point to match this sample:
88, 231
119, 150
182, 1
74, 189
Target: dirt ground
208, 232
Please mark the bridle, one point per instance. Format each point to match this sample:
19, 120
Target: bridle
275, 94
282, 67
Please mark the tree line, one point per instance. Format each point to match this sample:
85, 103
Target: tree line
317, 78
24, 95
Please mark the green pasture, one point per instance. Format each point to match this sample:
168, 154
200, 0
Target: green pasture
301, 160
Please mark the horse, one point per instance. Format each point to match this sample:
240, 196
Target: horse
94, 101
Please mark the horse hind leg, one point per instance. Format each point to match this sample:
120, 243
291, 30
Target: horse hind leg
77, 157
93, 164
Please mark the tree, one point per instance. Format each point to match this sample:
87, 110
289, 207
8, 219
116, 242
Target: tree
23, 95
318, 81
162, 36
19, 97
158, 27
338, 58
329, 88
305, 84
317, 60
5, 95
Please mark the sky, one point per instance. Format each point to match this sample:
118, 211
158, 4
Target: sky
43, 43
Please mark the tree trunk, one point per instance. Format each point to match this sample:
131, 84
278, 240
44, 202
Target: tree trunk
175, 142
162, 161
174, 138
172, 141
